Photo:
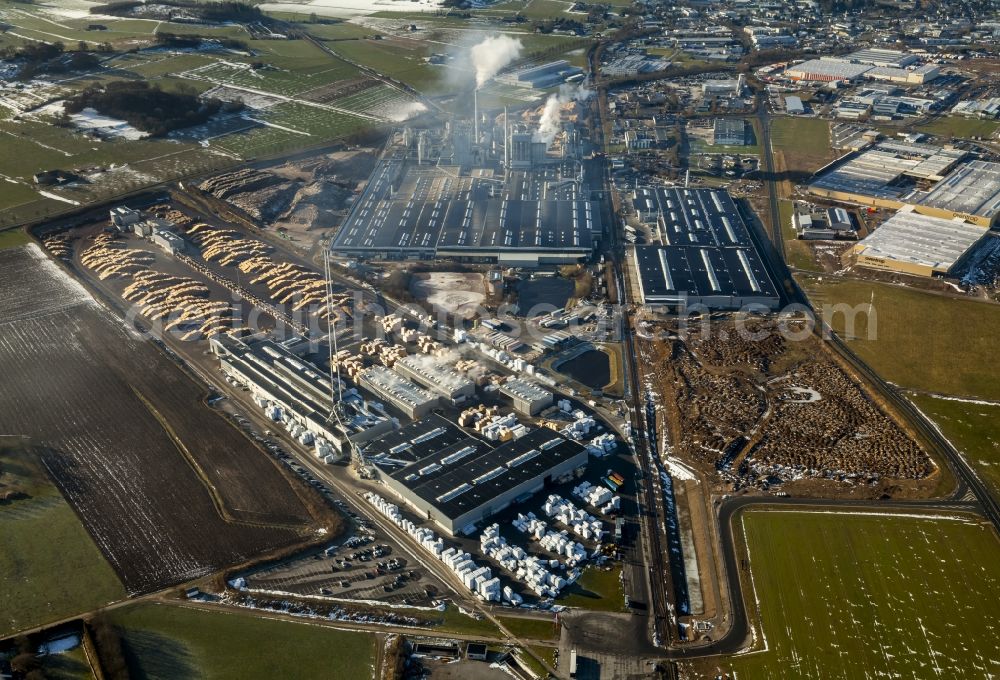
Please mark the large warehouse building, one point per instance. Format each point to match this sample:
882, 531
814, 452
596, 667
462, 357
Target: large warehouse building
921, 245
930, 180
296, 392
826, 71
971, 192
524, 218
528, 397
873, 64
707, 257
456, 479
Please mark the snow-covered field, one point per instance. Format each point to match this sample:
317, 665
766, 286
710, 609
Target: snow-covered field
349, 8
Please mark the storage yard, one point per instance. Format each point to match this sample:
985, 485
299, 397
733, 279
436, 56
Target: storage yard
186, 501
778, 412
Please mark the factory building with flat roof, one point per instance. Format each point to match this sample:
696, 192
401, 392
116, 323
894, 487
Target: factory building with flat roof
927, 179
529, 398
971, 192
541, 76
526, 217
881, 57
826, 71
457, 480
297, 391
707, 256
729, 132
920, 245
436, 377
412, 400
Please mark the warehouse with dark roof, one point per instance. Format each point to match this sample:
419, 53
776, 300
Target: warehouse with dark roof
456, 479
706, 256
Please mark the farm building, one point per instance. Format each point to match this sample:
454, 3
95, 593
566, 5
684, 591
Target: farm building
529, 398
456, 479
296, 392
707, 256
921, 245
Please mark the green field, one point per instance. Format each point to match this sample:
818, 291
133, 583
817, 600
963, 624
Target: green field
596, 589
921, 341
30, 143
69, 665
974, 429
959, 126
848, 596
531, 629
805, 143
50, 569
169, 641
13, 238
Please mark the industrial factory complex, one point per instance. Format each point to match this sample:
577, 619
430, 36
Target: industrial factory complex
510, 198
705, 257
872, 64
947, 204
298, 394
458, 480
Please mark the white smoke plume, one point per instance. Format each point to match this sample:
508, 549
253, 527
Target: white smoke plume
405, 111
491, 55
548, 124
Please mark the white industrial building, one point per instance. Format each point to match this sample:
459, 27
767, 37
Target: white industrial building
298, 394
436, 377
412, 400
917, 244
528, 397
826, 70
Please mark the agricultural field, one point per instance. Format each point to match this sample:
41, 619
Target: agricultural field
804, 143
170, 641
833, 599
280, 117
922, 341
50, 568
959, 126
168, 489
973, 428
